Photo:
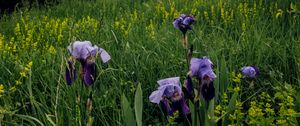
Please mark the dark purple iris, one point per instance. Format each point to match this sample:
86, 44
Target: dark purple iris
184, 22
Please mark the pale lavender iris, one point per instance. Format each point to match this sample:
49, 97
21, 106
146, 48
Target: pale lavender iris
184, 22
169, 95
250, 71
85, 53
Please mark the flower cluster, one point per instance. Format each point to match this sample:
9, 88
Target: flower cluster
170, 96
85, 53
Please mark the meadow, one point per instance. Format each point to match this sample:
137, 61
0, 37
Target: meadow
144, 48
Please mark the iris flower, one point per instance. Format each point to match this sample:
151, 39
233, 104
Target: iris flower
85, 53
184, 22
202, 69
250, 71
169, 95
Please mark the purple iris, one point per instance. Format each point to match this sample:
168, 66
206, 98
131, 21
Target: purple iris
250, 71
169, 95
184, 22
202, 69
85, 53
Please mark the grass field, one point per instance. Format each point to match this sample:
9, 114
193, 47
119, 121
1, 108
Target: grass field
144, 48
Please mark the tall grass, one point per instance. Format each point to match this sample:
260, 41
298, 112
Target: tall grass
144, 48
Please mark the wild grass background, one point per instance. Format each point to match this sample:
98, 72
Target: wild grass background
144, 48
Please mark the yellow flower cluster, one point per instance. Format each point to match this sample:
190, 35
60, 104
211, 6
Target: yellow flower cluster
236, 77
237, 116
166, 13
24, 72
86, 23
125, 23
1, 90
151, 30
255, 113
220, 108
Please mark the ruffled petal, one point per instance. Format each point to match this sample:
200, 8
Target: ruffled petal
105, 57
165, 105
184, 107
156, 96
171, 80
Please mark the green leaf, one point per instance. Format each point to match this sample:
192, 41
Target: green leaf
127, 112
30, 119
50, 120
138, 105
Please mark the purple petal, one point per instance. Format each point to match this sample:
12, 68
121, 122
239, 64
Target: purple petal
170, 86
89, 73
249, 72
202, 68
170, 90
156, 96
208, 91
184, 108
104, 55
166, 107
188, 20
70, 73
171, 80
177, 22
181, 106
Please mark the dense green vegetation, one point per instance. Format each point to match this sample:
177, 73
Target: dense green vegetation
145, 47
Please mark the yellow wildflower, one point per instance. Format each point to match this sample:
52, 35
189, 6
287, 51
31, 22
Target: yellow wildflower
52, 50
18, 82
237, 78
237, 89
1, 89
29, 65
23, 74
